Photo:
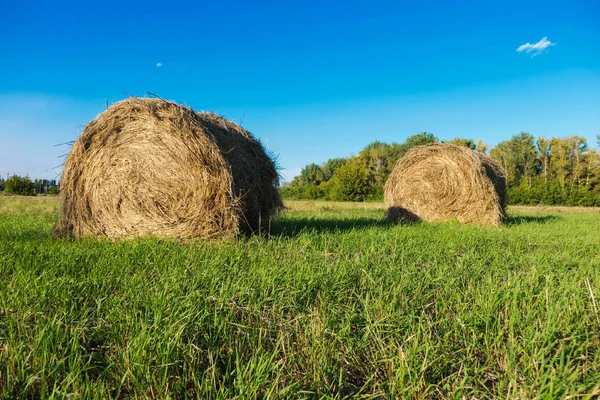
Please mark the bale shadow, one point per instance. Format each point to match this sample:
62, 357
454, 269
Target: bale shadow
26, 235
530, 219
402, 215
294, 226
289, 228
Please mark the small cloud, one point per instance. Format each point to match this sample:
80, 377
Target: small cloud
159, 65
537, 48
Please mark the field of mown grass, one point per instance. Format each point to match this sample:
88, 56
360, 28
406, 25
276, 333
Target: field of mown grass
334, 303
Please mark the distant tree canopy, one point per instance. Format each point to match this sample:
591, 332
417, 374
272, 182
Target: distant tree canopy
556, 171
24, 186
470, 143
19, 185
45, 186
364, 174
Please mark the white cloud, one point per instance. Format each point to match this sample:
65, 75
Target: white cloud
537, 48
159, 65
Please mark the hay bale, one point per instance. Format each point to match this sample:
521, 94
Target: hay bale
152, 167
442, 182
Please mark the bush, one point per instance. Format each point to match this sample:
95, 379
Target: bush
350, 183
553, 195
19, 185
312, 192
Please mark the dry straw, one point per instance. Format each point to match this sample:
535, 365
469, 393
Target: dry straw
442, 182
152, 167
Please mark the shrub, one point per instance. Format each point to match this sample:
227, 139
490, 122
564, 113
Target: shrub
350, 183
20, 185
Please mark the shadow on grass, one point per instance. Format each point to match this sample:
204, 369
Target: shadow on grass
530, 219
294, 226
25, 235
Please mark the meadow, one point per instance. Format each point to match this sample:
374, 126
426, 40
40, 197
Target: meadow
330, 301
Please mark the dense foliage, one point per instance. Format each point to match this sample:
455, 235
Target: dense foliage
45, 186
24, 186
356, 178
19, 185
556, 171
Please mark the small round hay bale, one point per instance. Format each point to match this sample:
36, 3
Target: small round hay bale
152, 167
442, 182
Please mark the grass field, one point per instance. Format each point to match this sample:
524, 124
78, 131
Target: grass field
333, 303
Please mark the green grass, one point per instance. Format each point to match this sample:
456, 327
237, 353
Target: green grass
335, 303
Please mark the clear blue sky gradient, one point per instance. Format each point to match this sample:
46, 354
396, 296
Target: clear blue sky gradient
312, 79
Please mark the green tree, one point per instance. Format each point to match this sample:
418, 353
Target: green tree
305, 185
560, 156
525, 155
579, 149
310, 175
543, 147
481, 147
518, 157
350, 182
420, 139
53, 189
503, 155
375, 158
592, 179
469, 143
19, 185
329, 167
398, 150
557, 171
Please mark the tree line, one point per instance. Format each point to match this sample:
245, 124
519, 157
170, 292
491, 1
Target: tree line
24, 186
555, 171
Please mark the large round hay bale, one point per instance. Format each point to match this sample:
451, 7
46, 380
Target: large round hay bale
152, 167
442, 182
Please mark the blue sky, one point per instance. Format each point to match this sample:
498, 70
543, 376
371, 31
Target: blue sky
312, 79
